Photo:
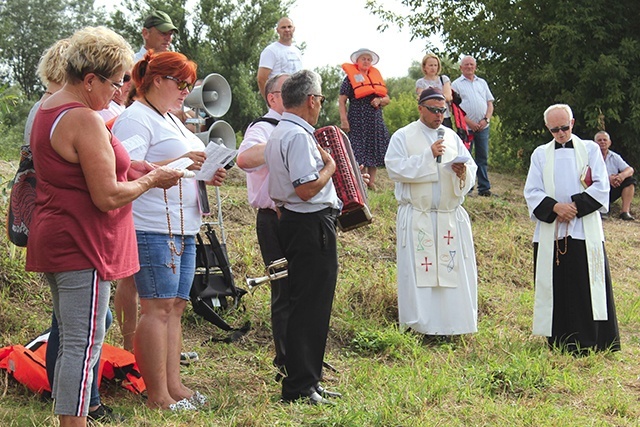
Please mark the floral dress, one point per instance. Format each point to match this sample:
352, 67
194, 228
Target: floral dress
368, 134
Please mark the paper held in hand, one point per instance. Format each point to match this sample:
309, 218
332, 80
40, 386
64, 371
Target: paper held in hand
218, 156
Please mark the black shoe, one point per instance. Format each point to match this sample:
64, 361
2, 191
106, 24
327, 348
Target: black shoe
485, 193
626, 216
311, 397
281, 374
104, 414
326, 393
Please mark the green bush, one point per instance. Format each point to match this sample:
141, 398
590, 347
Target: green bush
401, 111
14, 109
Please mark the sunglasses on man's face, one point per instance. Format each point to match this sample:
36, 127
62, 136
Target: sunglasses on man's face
436, 110
560, 128
322, 98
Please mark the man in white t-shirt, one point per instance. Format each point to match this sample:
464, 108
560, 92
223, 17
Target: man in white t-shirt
157, 31
280, 57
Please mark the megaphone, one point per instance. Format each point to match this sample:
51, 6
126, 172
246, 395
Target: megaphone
220, 133
213, 96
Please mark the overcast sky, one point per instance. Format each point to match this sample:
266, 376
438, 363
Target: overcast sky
333, 29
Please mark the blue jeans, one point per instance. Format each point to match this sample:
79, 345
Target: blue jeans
481, 157
156, 278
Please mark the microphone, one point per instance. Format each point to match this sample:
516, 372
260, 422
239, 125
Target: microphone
440, 136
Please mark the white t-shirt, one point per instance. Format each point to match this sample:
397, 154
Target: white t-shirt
29, 124
165, 138
280, 59
113, 110
139, 54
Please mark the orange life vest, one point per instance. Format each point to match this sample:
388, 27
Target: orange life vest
28, 367
365, 85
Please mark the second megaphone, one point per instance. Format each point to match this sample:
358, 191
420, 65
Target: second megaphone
220, 133
213, 96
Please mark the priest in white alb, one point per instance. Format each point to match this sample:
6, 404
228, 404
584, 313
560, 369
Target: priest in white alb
436, 263
566, 189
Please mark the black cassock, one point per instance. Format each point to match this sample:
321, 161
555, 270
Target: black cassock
573, 327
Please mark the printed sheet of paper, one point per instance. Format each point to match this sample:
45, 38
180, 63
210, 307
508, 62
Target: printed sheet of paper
181, 163
463, 158
218, 156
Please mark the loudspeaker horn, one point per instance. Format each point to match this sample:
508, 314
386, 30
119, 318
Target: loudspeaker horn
220, 133
213, 96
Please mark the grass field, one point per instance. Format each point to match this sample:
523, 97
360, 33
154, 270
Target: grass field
500, 376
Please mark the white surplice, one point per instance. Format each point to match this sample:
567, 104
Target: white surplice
437, 275
556, 174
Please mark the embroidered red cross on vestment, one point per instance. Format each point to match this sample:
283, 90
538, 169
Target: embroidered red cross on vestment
426, 263
448, 237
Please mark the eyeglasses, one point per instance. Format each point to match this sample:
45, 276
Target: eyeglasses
322, 98
435, 110
560, 128
116, 85
126, 78
182, 84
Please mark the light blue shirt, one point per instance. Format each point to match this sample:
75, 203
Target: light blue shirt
293, 159
475, 94
615, 163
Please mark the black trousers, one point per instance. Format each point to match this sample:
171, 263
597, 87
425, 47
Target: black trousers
309, 244
616, 192
267, 231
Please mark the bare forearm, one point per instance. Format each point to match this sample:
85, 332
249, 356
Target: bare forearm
252, 157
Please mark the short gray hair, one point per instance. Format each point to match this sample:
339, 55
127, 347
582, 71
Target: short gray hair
602, 132
272, 83
299, 86
563, 107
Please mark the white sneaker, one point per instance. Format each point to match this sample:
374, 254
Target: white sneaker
198, 399
188, 357
182, 405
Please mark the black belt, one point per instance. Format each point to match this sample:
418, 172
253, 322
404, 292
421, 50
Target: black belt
330, 211
267, 211
326, 211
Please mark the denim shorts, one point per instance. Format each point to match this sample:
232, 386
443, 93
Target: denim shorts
156, 278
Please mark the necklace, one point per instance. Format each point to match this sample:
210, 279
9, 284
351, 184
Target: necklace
558, 251
172, 246
152, 106
165, 117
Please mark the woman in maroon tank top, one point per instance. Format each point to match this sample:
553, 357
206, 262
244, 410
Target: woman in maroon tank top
82, 234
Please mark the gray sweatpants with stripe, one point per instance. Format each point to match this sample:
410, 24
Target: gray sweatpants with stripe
80, 303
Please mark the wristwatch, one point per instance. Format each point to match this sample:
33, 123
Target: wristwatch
485, 119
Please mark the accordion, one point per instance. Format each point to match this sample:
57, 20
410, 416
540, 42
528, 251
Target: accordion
347, 178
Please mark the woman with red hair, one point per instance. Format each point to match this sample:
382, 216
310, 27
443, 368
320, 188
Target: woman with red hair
166, 223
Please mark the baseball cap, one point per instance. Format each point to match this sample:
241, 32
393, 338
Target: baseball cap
431, 93
160, 20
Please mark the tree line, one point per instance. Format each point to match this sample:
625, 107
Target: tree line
533, 53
